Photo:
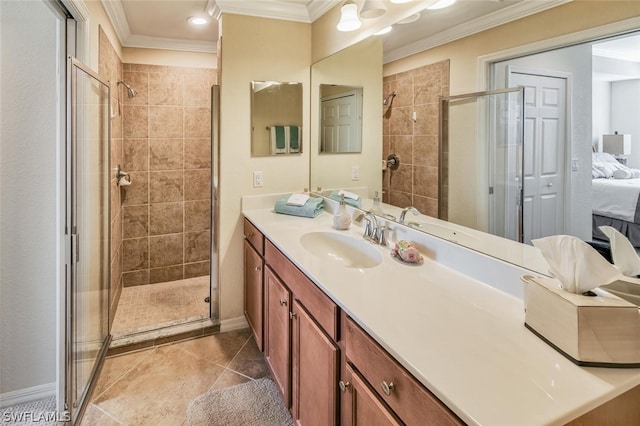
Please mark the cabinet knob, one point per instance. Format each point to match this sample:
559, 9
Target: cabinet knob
258, 268
387, 388
344, 385
283, 302
293, 315
249, 235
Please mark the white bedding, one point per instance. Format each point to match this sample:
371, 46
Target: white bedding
616, 198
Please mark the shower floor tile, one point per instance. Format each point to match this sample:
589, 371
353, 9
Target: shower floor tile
152, 306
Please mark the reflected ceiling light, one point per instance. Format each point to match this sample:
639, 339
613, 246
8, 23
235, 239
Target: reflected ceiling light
385, 30
197, 20
373, 9
441, 4
349, 20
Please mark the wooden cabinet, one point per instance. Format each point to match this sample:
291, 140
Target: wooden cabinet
254, 291
362, 407
315, 371
400, 391
278, 332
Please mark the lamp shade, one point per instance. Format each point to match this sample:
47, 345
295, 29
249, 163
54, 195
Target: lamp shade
616, 144
373, 9
349, 20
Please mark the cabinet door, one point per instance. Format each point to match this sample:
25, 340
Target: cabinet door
365, 407
253, 291
277, 346
315, 372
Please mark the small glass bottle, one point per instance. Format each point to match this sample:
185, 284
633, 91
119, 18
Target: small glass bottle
341, 219
376, 208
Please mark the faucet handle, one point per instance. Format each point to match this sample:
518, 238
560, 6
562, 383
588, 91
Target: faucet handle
381, 235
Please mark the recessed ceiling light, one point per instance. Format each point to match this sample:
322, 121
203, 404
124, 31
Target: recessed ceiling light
197, 20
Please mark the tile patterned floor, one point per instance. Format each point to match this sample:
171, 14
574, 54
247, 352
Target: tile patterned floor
145, 307
155, 386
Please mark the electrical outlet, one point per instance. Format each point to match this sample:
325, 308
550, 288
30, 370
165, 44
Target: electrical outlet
355, 172
258, 179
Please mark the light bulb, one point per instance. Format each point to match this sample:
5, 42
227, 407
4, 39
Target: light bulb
349, 20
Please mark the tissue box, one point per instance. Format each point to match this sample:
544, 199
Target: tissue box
600, 331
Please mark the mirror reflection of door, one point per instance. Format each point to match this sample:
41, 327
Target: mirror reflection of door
544, 151
341, 119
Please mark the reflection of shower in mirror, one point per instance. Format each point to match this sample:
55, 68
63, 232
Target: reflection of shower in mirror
389, 98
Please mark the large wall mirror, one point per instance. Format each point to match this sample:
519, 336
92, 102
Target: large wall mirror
354, 72
340, 119
276, 118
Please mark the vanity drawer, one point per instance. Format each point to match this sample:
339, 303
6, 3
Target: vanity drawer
254, 236
411, 401
324, 311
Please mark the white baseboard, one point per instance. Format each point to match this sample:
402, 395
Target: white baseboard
237, 323
22, 396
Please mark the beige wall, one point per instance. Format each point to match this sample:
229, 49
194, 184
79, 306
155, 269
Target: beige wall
134, 55
254, 49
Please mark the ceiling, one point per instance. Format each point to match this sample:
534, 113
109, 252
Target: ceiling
162, 24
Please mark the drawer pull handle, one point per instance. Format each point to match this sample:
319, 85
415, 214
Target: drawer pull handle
387, 388
249, 235
344, 385
293, 315
283, 302
258, 268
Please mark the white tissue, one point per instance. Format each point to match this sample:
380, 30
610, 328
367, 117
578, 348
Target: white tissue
297, 200
577, 265
623, 254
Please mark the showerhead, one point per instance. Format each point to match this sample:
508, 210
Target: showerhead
389, 98
132, 92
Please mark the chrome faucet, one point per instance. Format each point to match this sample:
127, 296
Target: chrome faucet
372, 230
411, 209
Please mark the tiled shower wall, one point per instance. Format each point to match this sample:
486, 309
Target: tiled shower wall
110, 68
166, 150
415, 182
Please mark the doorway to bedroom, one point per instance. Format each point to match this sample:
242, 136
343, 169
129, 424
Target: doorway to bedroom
602, 98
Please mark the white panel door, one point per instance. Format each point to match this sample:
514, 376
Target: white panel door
544, 154
339, 128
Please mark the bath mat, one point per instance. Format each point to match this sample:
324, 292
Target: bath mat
255, 403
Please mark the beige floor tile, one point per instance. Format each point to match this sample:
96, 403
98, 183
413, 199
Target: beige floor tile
93, 416
115, 367
219, 348
158, 390
250, 361
229, 378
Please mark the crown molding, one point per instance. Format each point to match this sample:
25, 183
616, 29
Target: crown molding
148, 42
118, 19
277, 10
500, 17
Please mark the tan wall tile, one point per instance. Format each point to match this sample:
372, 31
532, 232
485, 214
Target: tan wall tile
135, 156
135, 221
197, 215
169, 273
166, 154
197, 122
197, 184
166, 218
135, 254
197, 269
425, 181
136, 121
166, 122
139, 81
166, 89
165, 186
197, 153
196, 246
197, 90
130, 279
165, 250
138, 191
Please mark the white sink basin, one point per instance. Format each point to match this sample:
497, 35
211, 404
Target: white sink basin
344, 250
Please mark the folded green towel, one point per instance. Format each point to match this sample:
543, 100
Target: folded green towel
294, 138
334, 195
312, 208
280, 143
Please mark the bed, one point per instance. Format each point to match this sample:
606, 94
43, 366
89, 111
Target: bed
615, 201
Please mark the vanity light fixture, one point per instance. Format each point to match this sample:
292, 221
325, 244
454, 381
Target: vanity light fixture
373, 9
400, 1
197, 20
349, 20
441, 4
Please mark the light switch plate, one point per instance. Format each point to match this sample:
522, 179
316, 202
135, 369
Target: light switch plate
355, 172
258, 179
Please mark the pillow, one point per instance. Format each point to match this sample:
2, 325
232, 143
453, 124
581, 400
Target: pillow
603, 157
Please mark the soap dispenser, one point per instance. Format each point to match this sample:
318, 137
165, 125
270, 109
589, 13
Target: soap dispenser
376, 208
341, 219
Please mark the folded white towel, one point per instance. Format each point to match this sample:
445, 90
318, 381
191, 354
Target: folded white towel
348, 194
623, 254
577, 265
297, 199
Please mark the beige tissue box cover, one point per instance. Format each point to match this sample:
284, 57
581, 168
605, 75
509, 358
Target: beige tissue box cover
602, 331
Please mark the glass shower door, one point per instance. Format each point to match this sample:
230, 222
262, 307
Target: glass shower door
88, 226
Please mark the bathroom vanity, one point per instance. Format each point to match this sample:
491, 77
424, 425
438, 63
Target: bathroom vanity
364, 339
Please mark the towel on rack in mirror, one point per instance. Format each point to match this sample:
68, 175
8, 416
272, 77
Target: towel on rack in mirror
285, 139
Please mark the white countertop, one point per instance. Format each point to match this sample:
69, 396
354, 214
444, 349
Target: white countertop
463, 339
